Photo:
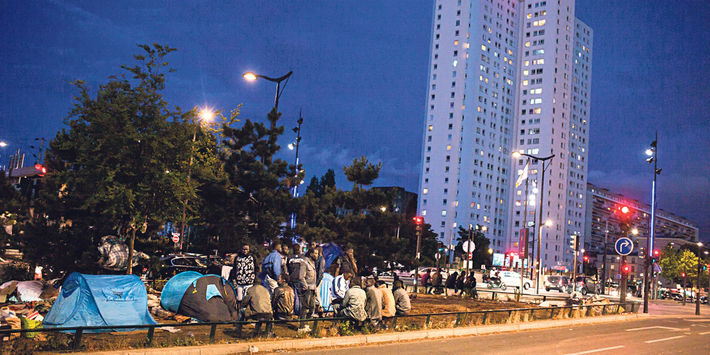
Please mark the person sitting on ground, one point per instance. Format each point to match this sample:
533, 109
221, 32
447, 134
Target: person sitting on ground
341, 283
256, 304
388, 309
373, 302
401, 300
451, 283
282, 301
460, 283
354, 301
325, 292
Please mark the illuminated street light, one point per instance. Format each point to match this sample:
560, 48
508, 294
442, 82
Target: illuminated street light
249, 76
490, 251
206, 114
649, 152
383, 209
635, 231
3, 144
548, 223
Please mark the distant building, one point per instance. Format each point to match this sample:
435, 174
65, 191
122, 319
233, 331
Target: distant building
403, 202
603, 222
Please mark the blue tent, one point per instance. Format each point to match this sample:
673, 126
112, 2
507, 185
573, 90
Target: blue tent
100, 300
207, 298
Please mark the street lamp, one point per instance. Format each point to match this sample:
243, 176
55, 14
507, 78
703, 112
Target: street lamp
204, 115
548, 224
3, 144
250, 76
697, 282
516, 155
652, 153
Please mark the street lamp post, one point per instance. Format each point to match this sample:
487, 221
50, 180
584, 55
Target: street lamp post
652, 154
539, 219
279, 90
297, 130
606, 234
204, 115
697, 283
3, 144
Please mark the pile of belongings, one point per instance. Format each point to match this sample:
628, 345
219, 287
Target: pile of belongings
23, 316
27, 291
113, 254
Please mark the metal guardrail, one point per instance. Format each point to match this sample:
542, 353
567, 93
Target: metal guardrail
79, 331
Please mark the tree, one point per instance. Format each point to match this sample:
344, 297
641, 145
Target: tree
362, 172
121, 167
257, 198
13, 211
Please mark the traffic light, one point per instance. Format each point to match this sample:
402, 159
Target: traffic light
573, 242
682, 274
654, 257
704, 267
418, 220
586, 259
626, 268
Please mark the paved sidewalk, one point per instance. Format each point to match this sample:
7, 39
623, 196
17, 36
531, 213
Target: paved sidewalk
382, 338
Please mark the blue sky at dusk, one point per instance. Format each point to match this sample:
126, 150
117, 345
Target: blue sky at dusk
360, 77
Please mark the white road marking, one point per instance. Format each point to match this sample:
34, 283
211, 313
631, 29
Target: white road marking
597, 350
698, 320
652, 327
704, 333
664, 339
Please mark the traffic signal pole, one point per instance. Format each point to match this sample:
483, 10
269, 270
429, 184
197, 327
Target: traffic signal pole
697, 286
622, 284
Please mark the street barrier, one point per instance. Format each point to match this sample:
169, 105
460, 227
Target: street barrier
233, 330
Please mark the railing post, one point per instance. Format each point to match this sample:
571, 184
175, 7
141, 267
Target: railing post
428, 320
485, 316
213, 330
257, 329
618, 306
314, 331
151, 332
394, 323
269, 327
544, 298
493, 296
458, 319
77, 338
603, 309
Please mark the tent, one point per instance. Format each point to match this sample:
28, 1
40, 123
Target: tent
331, 251
207, 298
100, 300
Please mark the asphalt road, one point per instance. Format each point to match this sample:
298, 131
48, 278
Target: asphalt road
683, 335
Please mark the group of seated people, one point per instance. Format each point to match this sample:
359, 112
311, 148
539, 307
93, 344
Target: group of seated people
346, 295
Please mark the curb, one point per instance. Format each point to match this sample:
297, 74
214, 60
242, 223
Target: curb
371, 339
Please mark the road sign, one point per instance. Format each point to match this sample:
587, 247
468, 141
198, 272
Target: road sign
468, 246
437, 256
176, 237
624, 246
470, 256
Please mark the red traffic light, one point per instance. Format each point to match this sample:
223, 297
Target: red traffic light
656, 252
418, 220
586, 258
41, 170
624, 209
682, 274
626, 269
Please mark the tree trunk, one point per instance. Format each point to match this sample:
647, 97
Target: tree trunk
129, 268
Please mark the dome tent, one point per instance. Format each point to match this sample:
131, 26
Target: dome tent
100, 300
207, 298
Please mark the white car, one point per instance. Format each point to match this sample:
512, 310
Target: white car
512, 279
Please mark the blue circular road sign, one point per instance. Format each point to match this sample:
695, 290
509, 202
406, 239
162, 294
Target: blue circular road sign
624, 246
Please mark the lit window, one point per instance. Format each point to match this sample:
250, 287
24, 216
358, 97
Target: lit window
425, 191
443, 212
431, 127
527, 44
483, 47
423, 212
448, 147
456, 42
525, 83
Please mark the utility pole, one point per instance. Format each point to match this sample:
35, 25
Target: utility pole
652, 153
418, 221
575, 242
684, 284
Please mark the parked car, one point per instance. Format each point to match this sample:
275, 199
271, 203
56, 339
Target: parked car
586, 285
172, 265
512, 279
423, 270
556, 282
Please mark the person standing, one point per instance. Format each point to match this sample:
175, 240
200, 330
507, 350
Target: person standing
306, 293
243, 271
295, 275
320, 261
347, 263
271, 267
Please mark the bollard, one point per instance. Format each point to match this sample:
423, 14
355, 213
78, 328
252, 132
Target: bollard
213, 330
151, 331
77, 338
